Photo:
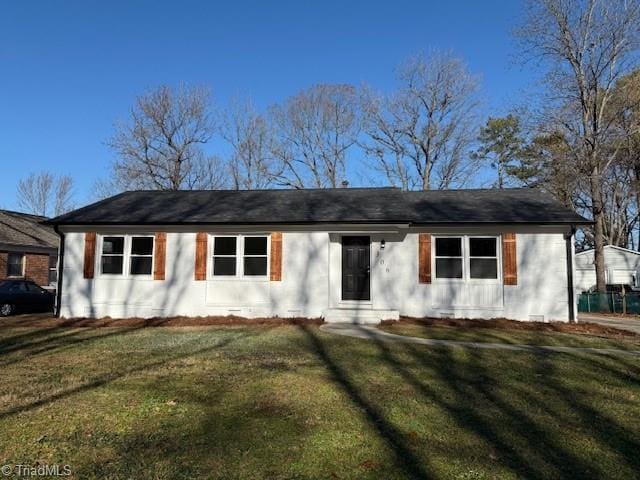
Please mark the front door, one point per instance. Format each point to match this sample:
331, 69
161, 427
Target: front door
355, 268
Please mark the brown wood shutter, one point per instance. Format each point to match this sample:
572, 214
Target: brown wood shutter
160, 255
276, 257
509, 259
89, 254
424, 258
201, 256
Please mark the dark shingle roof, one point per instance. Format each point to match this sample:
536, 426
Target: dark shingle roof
343, 205
24, 230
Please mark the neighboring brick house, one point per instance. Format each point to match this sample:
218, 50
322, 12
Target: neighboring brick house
28, 249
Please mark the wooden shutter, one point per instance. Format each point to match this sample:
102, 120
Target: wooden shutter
160, 255
509, 259
276, 257
424, 258
201, 256
89, 254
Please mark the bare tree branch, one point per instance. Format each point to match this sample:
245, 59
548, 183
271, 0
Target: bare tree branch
161, 146
314, 130
420, 135
45, 194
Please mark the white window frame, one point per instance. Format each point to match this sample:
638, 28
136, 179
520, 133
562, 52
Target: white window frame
466, 259
23, 262
461, 257
130, 255
239, 275
126, 256
213, 255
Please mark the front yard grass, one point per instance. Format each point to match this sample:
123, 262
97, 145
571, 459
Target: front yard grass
285, 402
508, 336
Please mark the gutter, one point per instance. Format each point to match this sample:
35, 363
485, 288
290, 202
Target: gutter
60, 270
570, 286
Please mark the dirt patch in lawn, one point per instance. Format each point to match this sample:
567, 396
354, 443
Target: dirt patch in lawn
584, 328
48, 321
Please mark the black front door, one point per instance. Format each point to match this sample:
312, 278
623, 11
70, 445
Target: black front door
355, 268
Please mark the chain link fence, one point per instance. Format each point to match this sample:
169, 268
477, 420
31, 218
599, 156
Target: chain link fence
610, 302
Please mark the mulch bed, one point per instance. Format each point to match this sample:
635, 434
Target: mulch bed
48, 321
584, 328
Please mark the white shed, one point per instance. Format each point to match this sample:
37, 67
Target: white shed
621, 266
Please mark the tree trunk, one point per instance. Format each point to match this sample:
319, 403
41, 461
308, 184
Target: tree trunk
598, 230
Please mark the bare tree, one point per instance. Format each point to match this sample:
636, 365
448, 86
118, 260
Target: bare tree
45, 194
248, 133
314, 131
586, 45
161, 145
420, 134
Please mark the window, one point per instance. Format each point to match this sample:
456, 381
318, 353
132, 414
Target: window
224, 256
15, 265
255, 256
240, 256
53, 269
466, 258
141, 260
18, 287
112, 259
33, 288
449, 257
127, 255
483, 258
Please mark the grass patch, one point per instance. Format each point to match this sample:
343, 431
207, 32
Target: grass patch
508, 336
283, 402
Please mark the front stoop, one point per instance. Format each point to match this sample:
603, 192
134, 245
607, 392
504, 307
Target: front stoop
359, 316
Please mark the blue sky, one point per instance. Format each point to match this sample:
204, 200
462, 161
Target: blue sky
68, 70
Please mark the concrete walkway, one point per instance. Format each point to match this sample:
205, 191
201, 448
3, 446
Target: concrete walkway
624, 323
368, 332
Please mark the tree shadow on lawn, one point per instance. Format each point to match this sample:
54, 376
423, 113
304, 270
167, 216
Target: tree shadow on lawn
113, 375
522, 418
510, 416
225, 436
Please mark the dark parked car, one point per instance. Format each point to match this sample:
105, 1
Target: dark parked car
24, 296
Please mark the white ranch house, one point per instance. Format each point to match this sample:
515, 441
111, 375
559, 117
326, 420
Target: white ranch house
359, 255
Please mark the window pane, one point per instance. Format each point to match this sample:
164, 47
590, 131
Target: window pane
18, 287
112, 264
255, 265
483, 268
224, 246
448, 267
482, 247
140, 266
142, 246
224, 265
113, 245
14, 264
255, 245
34, 288
448, 247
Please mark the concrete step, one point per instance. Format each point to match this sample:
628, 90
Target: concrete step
359, 315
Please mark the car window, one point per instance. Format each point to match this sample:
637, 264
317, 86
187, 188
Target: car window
18, 287
33, 288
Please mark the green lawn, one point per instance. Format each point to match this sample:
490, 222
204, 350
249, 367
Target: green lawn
294, 402
522, 337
